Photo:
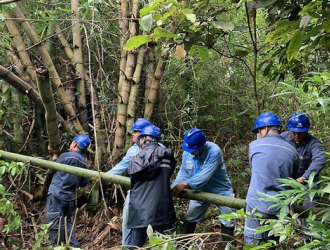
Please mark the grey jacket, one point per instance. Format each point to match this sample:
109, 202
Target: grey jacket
150, 196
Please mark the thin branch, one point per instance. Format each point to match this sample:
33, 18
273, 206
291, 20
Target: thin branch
8, 1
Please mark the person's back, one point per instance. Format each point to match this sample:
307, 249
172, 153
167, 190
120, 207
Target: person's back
63, 185
150, 198
271, 158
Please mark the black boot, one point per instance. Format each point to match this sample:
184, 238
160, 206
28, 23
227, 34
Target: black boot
189, 227
227, 233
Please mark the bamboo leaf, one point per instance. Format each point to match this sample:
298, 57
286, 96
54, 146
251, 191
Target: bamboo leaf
136, 41
294, 45
146, 22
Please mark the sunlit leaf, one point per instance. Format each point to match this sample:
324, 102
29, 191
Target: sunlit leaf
161, 32
136, 41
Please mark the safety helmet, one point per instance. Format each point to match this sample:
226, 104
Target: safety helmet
139, 124
150, 130
82, 141
298, 122
193, 140
267, 119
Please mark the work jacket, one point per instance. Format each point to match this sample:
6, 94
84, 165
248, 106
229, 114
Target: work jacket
205, 173
151, 198
63, 185
271, 158
311, 155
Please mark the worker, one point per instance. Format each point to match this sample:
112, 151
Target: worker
150, 197
62, 192
203, 169
271, 158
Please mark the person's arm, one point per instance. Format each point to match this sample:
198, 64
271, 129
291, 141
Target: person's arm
318, 160
121, 167
183, 173
210, 167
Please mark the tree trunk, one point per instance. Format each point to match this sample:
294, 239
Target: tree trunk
133, 96
79, 64
30, 32
152, 97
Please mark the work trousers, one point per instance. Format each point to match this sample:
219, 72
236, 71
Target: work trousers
57, 211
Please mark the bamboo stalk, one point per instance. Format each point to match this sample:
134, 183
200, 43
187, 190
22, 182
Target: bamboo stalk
30, 32
79, 66
133, 96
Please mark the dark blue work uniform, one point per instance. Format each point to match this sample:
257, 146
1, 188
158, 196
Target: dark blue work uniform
270, 158
311, 155
61, 196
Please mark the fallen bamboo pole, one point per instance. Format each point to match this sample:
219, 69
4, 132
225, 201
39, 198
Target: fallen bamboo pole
124, 181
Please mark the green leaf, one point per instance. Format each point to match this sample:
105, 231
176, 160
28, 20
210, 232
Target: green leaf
294, 45
203, 53
326, 26
304, 21
224, 25
326, 189
326, 74
2, 190
146, 22
150, 231
311, 180
136, 41
241, 53
161, 32
153, 240
324, 102
191, 17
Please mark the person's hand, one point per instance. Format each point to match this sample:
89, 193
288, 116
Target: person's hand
301, 179
93, 178
52, 151
177, 190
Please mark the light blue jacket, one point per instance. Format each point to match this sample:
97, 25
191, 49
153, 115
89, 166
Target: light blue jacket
206, 173
270, 158
121, 167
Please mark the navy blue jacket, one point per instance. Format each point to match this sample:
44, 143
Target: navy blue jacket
270, 158
64, 185
311, 155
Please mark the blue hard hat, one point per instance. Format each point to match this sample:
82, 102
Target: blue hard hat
298, 122
193, 140
267, 119
82, 141
150, 130
139, 124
